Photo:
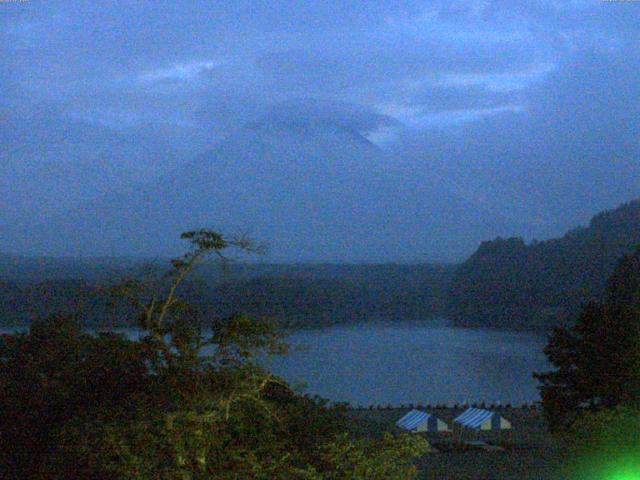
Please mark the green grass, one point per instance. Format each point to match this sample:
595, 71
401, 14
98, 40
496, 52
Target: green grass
530, 452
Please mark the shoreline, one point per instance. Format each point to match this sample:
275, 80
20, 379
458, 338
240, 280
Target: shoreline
533, 406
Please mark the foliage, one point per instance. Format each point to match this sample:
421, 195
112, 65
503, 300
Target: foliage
603, 444
598, 359
365, 460
55, 373
180, 403
509, 284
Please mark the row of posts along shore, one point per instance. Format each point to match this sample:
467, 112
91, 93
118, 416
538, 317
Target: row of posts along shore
450, 406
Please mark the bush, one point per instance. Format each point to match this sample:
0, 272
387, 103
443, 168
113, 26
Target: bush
604, 444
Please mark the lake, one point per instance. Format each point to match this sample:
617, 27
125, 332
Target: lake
428, 363
415, 363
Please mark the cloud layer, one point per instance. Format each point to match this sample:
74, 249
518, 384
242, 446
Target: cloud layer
528, 106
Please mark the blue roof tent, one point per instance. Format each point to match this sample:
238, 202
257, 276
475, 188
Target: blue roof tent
417, 421
479, 419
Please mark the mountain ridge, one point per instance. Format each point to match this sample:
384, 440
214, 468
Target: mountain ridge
507, 283
316, 193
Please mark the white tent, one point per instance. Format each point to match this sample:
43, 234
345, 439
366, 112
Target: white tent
417, 421
479, 419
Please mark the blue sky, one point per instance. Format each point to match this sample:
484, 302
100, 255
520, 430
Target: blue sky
543, 92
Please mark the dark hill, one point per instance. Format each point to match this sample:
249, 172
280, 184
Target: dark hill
509, 284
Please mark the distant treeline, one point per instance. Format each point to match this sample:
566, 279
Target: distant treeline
504, 284
508, 284
299, 296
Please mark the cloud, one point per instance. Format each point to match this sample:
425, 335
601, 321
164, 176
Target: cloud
573, 151
475, 86
417, 118
498, 82
182, 72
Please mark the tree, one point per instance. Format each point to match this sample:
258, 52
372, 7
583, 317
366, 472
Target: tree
598, 359
198, 405
53, 374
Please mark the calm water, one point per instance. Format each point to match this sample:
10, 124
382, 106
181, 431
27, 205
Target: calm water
412, 363
379, 364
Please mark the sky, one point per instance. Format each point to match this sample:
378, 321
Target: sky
529, 108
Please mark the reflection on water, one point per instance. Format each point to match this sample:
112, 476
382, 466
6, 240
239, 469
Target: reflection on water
425, 363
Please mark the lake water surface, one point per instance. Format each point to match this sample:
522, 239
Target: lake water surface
411, 363
403, 363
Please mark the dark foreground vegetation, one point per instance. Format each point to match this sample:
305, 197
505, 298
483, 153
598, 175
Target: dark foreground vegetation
597, 359
177, 404
591, 399
174, 405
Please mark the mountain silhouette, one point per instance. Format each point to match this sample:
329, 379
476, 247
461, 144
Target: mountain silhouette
313, 189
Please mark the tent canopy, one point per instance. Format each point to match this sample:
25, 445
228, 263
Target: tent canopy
480, 419
419, 421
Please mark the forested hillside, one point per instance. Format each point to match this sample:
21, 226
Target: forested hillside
509, 284
301, 296
358, 293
